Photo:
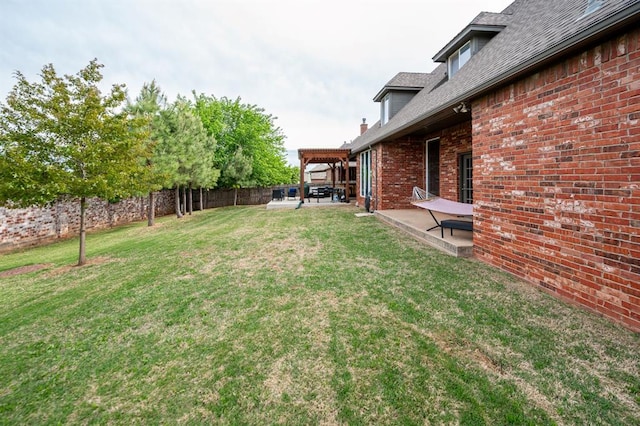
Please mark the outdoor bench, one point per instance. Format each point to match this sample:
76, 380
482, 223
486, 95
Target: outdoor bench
452, 224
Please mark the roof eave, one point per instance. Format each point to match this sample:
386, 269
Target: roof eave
382, 93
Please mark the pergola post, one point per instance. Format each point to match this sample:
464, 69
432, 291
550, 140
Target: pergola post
347, 178
302, 166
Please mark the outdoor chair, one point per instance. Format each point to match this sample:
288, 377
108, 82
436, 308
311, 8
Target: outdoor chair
278, 194
292, 193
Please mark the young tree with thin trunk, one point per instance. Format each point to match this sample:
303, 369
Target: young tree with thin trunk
238, 170
61, 138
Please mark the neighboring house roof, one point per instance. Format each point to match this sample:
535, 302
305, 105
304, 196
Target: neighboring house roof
535, 32
325, 167
318, 168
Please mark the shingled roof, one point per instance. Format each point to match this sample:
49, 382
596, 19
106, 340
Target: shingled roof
535, 32
405, 81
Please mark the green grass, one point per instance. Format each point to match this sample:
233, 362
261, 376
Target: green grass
310, 316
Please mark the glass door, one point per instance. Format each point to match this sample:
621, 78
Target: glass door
433, 167
466, 178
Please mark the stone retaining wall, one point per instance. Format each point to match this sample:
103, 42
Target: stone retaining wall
37, 225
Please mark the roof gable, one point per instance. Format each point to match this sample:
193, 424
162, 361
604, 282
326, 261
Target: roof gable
404, 81
484, 23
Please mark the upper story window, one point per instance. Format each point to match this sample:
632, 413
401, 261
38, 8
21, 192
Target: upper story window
459, 58
471, 40
385, 112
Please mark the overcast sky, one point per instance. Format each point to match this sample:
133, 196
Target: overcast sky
315, 65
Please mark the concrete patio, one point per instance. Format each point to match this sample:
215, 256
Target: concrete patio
293, 203
416, 222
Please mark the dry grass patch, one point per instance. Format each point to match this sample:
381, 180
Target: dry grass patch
24, 270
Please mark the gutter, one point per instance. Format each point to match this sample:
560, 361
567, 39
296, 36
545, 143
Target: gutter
611, 24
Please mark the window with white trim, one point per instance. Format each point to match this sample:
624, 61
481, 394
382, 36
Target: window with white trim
385, 109
458, 59
365, 173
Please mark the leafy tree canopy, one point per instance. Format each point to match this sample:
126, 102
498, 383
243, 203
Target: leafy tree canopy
236, 125
62, 137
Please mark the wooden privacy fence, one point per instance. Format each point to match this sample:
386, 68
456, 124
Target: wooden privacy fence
225, 197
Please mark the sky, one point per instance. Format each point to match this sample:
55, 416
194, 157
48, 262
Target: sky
315, 66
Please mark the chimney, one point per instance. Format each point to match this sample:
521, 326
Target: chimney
364, 126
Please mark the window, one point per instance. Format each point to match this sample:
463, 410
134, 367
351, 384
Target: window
458, 59
384, 113
365, 173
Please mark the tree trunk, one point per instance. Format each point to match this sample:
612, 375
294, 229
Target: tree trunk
151, 214
201, 200
178, 213
184, 201
190, 197
82, 258
235, 196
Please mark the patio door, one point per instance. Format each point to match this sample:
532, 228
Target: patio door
433, 167
466, 178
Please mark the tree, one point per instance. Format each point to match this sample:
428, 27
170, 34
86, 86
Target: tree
148, 105
62, 138
239, 169
237, 125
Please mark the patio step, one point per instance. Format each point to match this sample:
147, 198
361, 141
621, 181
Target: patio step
449, 247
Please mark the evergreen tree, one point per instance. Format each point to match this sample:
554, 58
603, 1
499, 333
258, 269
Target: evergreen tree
148, 104
185, 152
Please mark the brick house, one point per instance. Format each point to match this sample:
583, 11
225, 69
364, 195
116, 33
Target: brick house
533, 115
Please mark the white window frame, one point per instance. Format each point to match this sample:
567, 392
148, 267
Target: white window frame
365, 173
385, 109
458, 59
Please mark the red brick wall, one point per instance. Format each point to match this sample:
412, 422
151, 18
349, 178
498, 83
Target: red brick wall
400, 166
557, 179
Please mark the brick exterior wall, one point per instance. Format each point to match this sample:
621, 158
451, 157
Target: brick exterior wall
399, 167
33, 226
557, 179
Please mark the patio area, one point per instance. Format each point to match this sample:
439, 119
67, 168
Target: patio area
416, 222
293, 203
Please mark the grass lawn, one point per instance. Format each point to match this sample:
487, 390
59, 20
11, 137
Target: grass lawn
311, 316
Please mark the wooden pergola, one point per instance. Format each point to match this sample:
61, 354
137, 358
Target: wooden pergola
324, 156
